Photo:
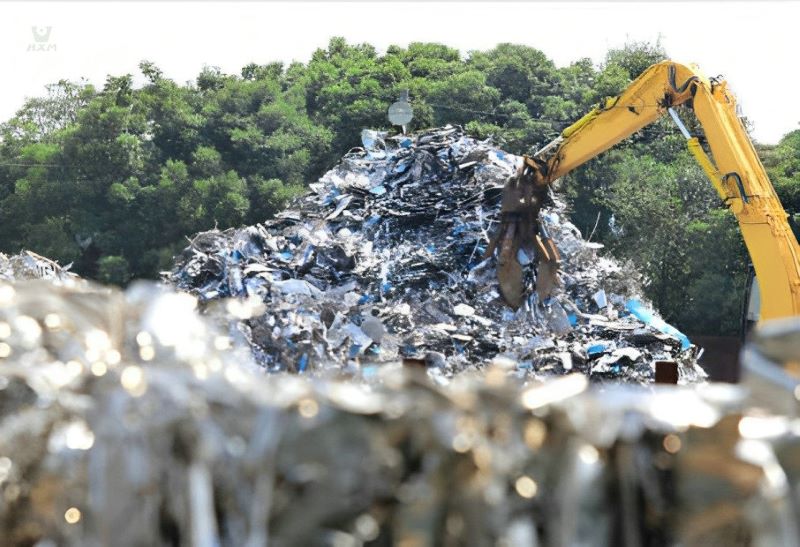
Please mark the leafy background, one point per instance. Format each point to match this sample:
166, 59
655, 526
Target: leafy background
113, 179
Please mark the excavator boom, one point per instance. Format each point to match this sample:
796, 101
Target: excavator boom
734, 170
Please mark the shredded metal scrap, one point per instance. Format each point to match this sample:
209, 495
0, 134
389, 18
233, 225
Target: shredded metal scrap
128, 419
383, 260
29, 265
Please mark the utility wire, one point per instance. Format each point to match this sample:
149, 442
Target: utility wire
650, 131
553, 120
29, 165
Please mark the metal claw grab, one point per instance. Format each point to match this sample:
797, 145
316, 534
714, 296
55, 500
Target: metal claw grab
522, 238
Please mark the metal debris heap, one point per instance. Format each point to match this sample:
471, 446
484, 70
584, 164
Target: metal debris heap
383, 260
28, 265
129, 419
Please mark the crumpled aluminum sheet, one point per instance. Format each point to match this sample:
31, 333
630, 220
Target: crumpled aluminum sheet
383, 260
130, 419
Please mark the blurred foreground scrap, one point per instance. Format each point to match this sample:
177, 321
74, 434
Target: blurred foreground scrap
383, 260
129, 419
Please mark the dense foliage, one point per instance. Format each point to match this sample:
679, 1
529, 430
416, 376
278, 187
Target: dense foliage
113, 179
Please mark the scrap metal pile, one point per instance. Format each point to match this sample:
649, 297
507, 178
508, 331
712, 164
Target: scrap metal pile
29, 265
383, 260
129, 419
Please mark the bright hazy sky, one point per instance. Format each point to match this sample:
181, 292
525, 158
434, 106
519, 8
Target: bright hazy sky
753, 44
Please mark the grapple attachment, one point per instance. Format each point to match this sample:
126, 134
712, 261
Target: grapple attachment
522, 238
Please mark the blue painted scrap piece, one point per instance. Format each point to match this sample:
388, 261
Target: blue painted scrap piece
523, 257
573, 319
378, 190
598, 348
302, 364
646, 315
331, 197
307, 254
408, 349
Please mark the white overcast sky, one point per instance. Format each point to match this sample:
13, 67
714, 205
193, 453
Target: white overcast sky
753, 44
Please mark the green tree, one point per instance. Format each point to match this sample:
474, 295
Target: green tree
519, 73
635, 57
784, 170
669, 223
463, 97
114, 179
113, 270
349, 87
268, 197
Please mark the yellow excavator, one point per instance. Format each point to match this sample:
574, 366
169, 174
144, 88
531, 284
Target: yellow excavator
735, 172
733, 168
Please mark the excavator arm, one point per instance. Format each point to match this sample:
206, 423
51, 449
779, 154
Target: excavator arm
735, 172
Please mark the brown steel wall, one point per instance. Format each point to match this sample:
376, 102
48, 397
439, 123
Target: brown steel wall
721, 356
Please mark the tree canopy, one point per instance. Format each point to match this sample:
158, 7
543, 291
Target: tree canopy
112, 179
